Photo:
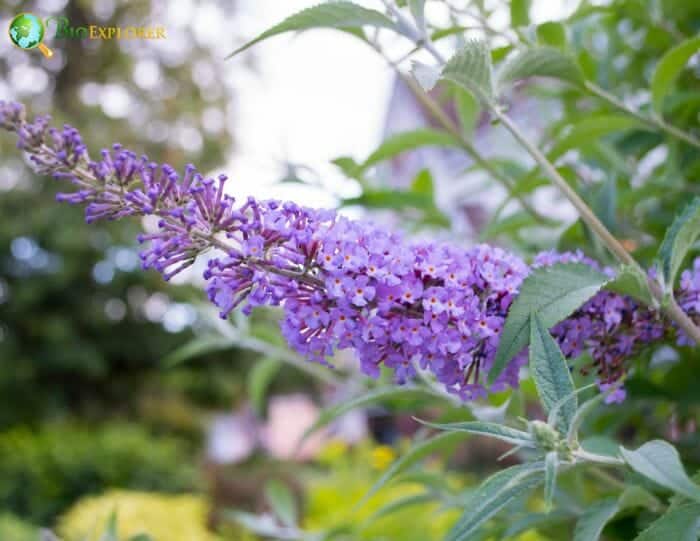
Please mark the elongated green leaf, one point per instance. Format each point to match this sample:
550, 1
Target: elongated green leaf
512, 224
401, 200
632, 282
282, 502
380, 394
492, 430
681, 523
434, 481
403, 142
468, 110
350, 168
418, 452
594, 518
553, 293
519, 13
581, 413
197, 347
110, 533
259, 378
679, 239
423, 184
551, 465
471, 69
141, 537
659, 461
636, 496
336, 14
535, 520
669, 68
589, 130
401, 503
541, 62
551, 373
493, 495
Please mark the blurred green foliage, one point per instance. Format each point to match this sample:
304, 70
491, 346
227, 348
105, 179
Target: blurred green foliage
332, 499
76, 333
15, 529
44, 472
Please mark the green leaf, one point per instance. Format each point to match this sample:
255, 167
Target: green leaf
417, 452
551, 465
552, 33
141, 537
512, 224
259, 379
196, 348
541, 62
519, 13
636, 496
551, 373
604, 203
659, 461
400, 504
110, 533
581, 413
631, 281
411, 140
679, 239
669, 68
681, 523
401, 200
349, 167
589, 130
601, 445
492, 430
336, 14
493, 495
553, 293
282, 502
380, 394
594, 518
423, 184
536, 520
471, 69
468, 110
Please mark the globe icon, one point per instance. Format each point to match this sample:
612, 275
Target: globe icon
27, 32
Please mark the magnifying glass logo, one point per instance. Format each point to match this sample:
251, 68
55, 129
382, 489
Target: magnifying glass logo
27, 32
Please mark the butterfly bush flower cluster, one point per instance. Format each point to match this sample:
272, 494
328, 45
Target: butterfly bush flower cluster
341, 283
610, 327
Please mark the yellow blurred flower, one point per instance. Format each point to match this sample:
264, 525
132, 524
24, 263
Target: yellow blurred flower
382, 457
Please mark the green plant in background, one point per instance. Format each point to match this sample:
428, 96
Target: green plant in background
134, 515
44, 472
67, 296
15, 529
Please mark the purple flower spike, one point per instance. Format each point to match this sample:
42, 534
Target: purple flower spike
341, 283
